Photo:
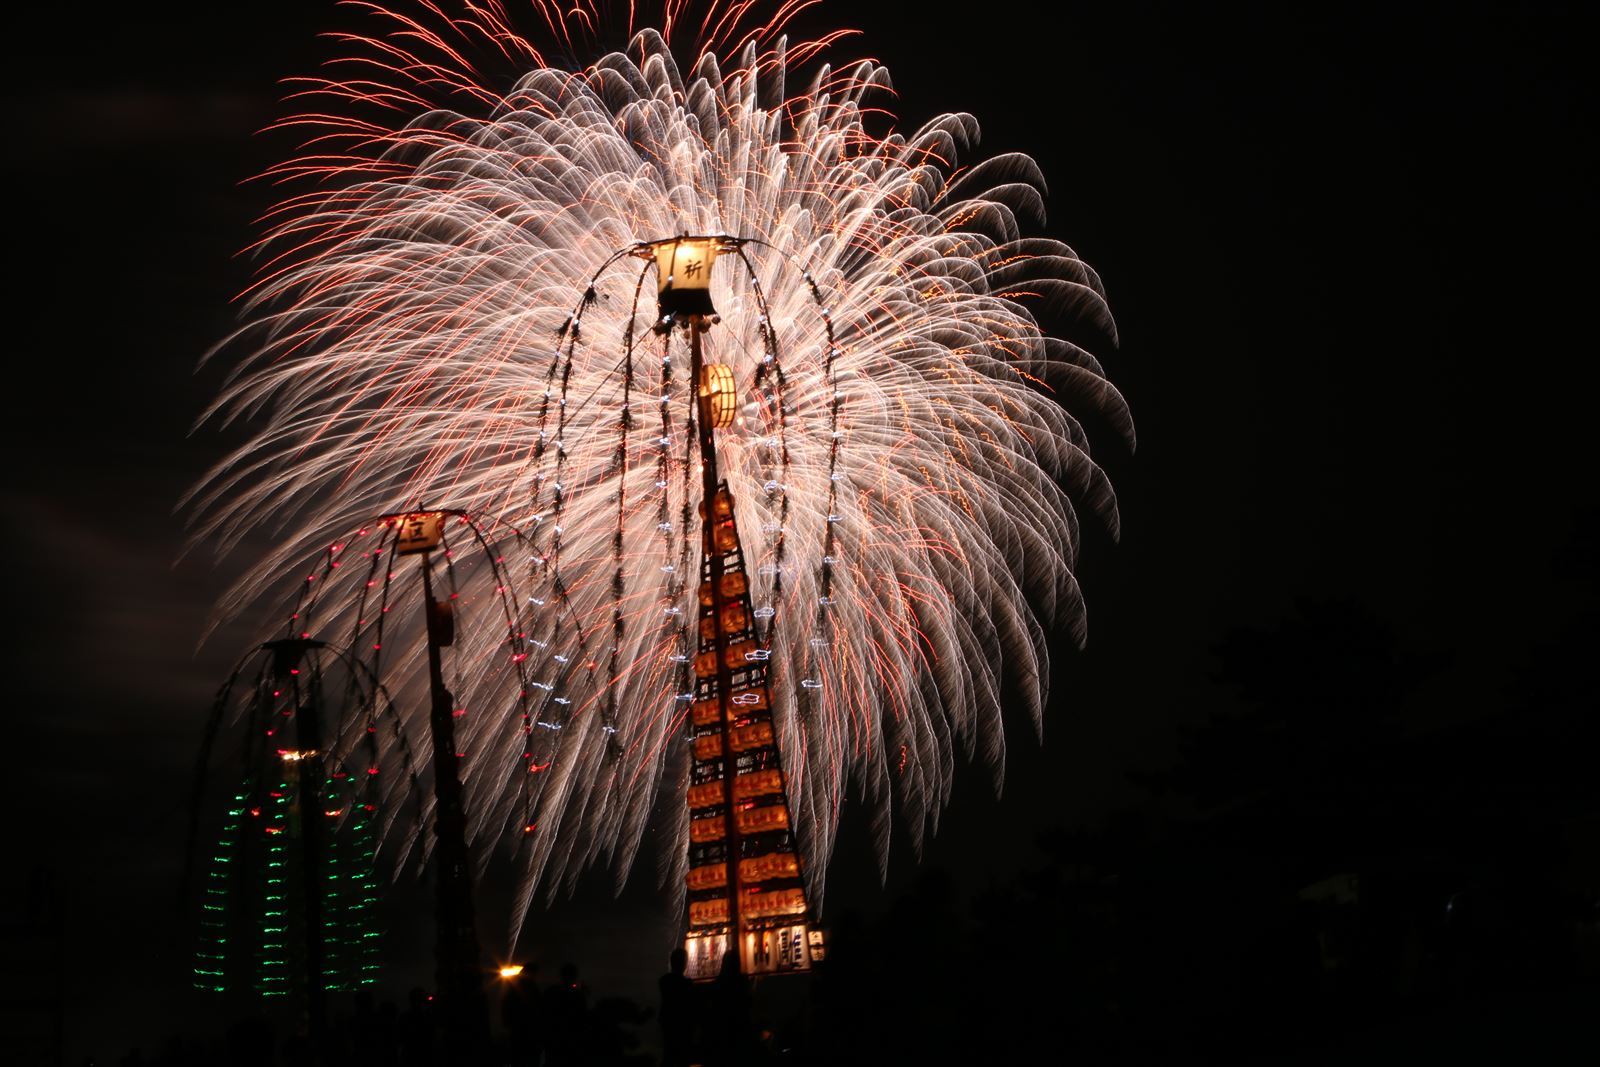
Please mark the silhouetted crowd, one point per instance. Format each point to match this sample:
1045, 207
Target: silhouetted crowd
709, 1024
541, 1026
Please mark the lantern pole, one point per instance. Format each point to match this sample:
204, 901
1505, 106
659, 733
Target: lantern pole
287, 656
309, 769
456, 949
709, 483
731, 678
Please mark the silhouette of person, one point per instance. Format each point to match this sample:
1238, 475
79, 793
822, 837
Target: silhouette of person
364, 1029
386, 1039
567, 1016
520, 1011
726, 1025
677, 1013
416, 1030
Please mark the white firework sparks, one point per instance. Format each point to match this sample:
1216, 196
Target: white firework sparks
907, 491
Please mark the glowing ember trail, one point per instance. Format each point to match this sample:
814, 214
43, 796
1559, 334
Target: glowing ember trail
904, 461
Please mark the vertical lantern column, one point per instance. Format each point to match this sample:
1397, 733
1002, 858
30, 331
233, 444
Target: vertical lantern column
745, 889
733, 726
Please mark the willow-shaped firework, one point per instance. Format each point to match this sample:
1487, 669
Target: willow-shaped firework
905, 460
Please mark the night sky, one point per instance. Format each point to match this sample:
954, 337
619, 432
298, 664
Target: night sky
1344, 248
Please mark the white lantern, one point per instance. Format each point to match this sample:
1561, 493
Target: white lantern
683, 275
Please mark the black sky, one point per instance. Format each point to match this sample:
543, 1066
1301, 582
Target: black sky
1345, 247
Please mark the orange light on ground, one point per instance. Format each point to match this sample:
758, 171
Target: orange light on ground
511, 970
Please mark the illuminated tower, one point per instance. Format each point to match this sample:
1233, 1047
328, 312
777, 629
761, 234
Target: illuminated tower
761, 895
289, 897
745, 881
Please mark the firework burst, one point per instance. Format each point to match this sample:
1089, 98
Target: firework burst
906, 461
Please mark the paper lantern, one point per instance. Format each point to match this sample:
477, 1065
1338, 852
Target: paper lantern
419, 532
683, 275
718, 394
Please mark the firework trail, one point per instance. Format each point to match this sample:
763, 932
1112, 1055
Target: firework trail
907, 489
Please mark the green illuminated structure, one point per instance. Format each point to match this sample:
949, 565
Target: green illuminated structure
259, 894
289, 898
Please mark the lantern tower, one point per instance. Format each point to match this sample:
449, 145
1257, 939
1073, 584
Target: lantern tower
746, 893
289, 895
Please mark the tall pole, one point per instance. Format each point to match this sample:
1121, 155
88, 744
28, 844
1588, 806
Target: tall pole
708, 489
307, 769
308, 738
457, 953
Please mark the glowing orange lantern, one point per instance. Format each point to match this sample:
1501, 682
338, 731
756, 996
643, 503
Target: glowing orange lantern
683, 273
705, 794
420, 531
719, 394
